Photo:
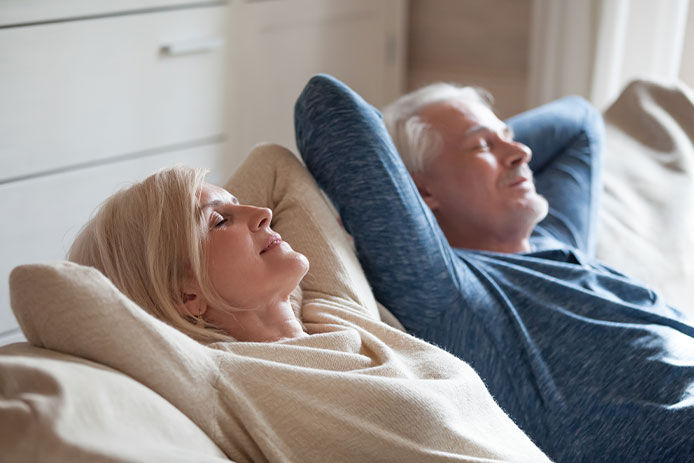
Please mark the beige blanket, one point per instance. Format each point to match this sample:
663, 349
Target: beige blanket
647, 216
355, 390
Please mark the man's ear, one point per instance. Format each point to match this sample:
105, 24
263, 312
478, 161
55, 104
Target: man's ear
420, 181
193, 301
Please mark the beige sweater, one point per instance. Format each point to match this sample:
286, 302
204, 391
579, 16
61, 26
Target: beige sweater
354, 390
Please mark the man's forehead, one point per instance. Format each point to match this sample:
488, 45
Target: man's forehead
462, 115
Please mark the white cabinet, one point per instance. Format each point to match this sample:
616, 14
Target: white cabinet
93, 90
97, 94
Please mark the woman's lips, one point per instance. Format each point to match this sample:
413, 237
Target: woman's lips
274, 241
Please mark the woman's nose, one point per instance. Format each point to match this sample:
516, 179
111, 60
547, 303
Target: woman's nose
260, 218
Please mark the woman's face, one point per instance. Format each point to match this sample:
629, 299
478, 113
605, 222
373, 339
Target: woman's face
248, 264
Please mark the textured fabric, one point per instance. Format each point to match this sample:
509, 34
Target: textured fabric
354, 390
649, 189
56, 407
593, 366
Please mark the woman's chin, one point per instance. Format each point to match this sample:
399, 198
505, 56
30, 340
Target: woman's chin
293, 272
305, 263
302, 266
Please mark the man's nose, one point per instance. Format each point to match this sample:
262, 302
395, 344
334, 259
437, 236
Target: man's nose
517, 153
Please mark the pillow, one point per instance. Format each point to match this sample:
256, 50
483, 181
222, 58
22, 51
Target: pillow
649, 189
56, 407
75, 309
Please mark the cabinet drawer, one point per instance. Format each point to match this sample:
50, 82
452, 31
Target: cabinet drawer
31, 11
84, 91
43, 215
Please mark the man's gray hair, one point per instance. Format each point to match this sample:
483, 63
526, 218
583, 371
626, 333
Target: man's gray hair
416, 141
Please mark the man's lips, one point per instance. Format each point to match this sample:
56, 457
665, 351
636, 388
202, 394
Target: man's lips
519, 178
273, 241
517, 181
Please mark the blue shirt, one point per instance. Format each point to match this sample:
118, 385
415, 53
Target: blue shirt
592, 365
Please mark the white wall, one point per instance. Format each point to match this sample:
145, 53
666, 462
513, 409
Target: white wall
595, 47
687, 65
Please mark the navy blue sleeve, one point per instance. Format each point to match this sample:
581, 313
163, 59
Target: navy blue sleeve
566, 139
348, 150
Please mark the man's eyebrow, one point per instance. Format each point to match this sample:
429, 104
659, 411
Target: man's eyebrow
475, 129
508, 130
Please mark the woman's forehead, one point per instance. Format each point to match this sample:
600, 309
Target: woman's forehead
211, 195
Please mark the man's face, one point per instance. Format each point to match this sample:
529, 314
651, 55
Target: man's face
480, 186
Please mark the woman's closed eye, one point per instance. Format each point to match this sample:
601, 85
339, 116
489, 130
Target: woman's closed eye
218, 220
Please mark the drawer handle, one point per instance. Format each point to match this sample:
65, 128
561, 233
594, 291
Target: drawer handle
188, 47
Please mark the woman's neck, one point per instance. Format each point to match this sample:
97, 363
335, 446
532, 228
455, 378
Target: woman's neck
272, 322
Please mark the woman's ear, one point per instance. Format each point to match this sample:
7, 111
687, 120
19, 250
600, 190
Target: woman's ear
193, 301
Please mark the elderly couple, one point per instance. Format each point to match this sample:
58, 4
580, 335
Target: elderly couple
479, 236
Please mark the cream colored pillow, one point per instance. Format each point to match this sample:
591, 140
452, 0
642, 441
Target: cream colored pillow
56, 407
75, 309
647, 219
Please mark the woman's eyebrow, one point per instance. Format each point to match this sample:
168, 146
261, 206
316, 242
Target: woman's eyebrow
213, 203
219, 202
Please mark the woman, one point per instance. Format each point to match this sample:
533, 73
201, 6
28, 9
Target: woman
333, 384
188, 238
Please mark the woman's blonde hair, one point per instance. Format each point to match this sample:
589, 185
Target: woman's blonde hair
149, 239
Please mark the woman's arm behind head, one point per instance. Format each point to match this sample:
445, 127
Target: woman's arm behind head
273, 177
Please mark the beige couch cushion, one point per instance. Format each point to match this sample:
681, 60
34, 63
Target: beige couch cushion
647, 219
56, 407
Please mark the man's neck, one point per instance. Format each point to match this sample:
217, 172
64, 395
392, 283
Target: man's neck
491, 244
510, 237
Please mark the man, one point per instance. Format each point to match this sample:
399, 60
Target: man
474, 175
590, 364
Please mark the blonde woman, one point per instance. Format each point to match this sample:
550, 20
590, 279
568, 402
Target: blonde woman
289, 364
193, 256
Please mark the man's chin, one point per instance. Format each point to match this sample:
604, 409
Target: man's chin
541, 208
533, 210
